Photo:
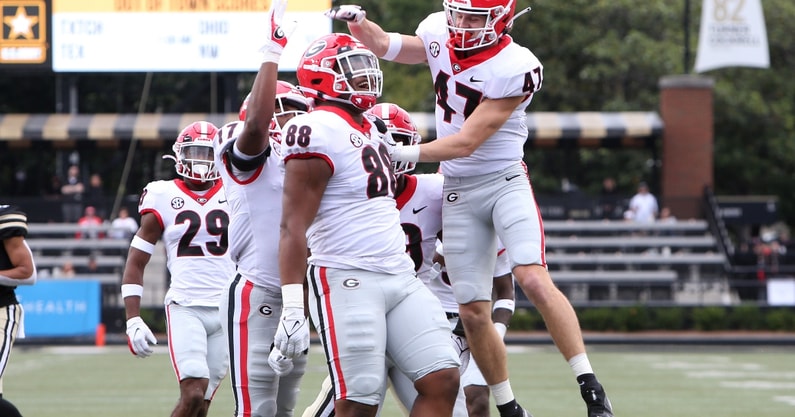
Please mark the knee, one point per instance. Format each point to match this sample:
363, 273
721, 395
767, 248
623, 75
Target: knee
537, 284
441, 384
476, 313
192, 392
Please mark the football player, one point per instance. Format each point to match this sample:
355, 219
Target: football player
419, 199
191, 216
484, 82
16, 268
365, 300
247, 153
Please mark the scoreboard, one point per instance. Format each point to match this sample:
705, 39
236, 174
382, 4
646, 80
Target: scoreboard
176, 35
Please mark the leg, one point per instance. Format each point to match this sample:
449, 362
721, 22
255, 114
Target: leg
477, 400
191, 398
350, 408
10, 317
487, 348
476, 391
351, 324
419, 343
436, 393
558, 314
188, 347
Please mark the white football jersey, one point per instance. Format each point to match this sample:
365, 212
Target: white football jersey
255, 207
195, 233
357, 225
504, 70
420, 206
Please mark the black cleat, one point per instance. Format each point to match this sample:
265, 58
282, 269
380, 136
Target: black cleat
513, 409
596, 400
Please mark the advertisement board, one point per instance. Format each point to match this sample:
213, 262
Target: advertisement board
25, 36
61, 308
176, 35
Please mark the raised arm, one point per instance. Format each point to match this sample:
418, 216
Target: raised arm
392, 46
254, 138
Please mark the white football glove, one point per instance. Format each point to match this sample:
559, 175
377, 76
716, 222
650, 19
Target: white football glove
292, 336
347, 13
462, 348
281, 364
277, 38
139, 337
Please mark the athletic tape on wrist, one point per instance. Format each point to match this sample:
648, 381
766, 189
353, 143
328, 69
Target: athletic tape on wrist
395, 43
142, 245
505, 303
293, 296
409, 153
131, 290
501, 329
271, 57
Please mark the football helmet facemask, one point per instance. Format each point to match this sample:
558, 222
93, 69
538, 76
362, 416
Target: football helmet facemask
193, 152
399, 125
499, 15
338, 67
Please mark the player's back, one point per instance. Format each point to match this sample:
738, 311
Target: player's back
195, 227
357, 224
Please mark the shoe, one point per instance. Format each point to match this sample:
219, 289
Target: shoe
596, 400
513, 409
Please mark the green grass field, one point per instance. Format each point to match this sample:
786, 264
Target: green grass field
682, 381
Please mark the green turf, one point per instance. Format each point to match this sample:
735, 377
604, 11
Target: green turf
685, 381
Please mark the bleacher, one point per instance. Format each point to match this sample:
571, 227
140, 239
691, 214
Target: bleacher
597, 262
56, 244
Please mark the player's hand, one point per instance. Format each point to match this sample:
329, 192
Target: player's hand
292, 335
347, 13
139, 337
277, 38
281, 364
391, 144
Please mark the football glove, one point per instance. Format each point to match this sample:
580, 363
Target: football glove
292, 335
139, 337
277, 38
347, 13
462, 348
281, 364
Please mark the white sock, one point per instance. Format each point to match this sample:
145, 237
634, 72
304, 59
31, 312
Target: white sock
580, 364
502, 392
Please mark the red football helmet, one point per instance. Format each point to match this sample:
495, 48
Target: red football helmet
338, 67
499, 16
193, 152
286, 95
399, 124
289, 95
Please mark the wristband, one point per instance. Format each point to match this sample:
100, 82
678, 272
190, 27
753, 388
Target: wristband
142, 245
501, 329
271, 57
439, 247
409, 153
131, 290
293, 296
395, 44
505, 303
